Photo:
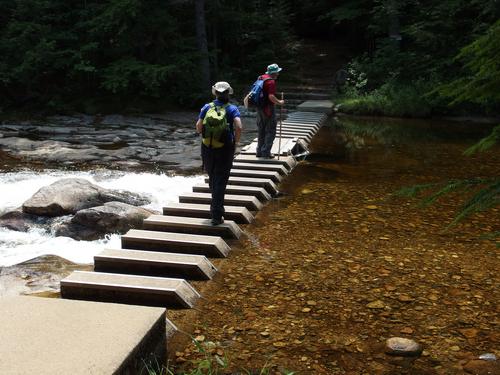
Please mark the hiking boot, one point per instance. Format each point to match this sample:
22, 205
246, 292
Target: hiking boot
218, 221
270, 156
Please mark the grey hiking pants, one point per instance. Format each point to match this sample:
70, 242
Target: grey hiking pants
266, 132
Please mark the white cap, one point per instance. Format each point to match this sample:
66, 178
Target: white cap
221, 87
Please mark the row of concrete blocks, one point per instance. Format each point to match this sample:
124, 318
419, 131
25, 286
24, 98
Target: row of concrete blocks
154, 263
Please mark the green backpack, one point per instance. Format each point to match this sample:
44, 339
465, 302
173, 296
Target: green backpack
215, 126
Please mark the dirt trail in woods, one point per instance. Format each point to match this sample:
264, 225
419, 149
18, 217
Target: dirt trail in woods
330, 271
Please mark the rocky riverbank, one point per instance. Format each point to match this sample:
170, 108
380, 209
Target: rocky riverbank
157, 141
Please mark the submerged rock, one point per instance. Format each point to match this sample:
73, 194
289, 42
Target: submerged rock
70, 195
93, 223
400, 346
482, 367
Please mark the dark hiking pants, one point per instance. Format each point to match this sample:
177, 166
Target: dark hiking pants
266, 132
217, 164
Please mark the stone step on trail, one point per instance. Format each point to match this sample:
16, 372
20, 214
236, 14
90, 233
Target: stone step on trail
261, 167
129, 289
248, 201
260, 193
287, 147
54, 336
287, 134
238, 214
154, 263
313, 128
301, 129
298, 113
265, 183
303, 122
288, 162
322, 105
192, 225
169, 242
274, 176
298, 140
304, 119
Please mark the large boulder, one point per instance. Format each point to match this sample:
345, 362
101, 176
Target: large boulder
93, 223
69, 195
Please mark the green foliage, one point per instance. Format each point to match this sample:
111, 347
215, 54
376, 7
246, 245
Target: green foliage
412, 44
481, 78
391, 99
54, 53
485, 143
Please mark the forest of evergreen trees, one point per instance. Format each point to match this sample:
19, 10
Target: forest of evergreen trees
85, 55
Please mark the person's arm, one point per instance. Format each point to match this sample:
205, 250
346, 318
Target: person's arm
199, 126
275, 100
238, 126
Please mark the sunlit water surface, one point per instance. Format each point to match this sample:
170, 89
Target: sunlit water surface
17, 187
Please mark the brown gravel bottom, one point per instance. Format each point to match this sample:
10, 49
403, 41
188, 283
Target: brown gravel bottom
330, 271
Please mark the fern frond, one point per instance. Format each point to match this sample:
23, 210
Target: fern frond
485, 143
486, 198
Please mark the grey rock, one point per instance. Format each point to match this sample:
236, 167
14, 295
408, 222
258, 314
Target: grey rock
400, 346
93, 223
18, 220
69, 195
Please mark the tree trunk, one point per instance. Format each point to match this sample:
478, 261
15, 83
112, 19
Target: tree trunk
201, 39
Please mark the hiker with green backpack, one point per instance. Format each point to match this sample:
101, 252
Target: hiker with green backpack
219, 124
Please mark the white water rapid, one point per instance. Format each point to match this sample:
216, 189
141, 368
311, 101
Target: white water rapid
17, 187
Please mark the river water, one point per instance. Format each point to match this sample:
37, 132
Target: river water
153, 155
17, 187
362, 148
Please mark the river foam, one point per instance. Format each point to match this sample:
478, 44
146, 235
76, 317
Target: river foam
17, 187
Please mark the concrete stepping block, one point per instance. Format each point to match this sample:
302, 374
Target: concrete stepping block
240, 215
308, 113
153, 263
248, 201
274, 176
129, 289
299, 128
286, 147
288, 162
192, 225
258, 192
285, 133
210, 246
302, 124
265, 183
304, 119
54, 336
323, 106
293, 133
261, 167
308, 118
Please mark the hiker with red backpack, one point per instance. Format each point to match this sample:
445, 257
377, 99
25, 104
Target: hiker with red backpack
219, 124
263, 97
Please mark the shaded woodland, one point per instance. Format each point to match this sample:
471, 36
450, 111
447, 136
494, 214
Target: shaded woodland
95, 55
